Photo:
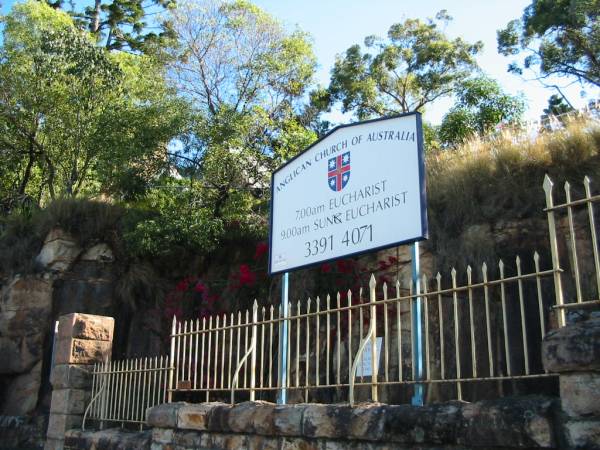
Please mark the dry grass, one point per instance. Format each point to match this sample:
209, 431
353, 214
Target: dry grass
500, 179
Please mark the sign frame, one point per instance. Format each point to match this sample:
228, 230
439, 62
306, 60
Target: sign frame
422, 188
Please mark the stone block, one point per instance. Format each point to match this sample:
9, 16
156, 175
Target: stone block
86, 326
81, 351
54, 444
69, 401
218, 419
194, 416
573, 348
287, 419
98, 253
325, 421
580, 393
164, 416
366, 422
59, 251
162, 436
263, 419
583, 434
240, 417
510, 422
73, 376
59, 423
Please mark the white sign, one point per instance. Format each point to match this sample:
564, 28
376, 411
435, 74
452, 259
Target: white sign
360, 188
365, 367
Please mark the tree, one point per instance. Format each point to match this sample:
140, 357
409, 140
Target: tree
245, 77
480, 106
416, 65
557, 106
132, 25
559, 38
73, 116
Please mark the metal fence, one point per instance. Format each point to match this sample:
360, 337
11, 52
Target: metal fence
480, 326
224, 354
123, 390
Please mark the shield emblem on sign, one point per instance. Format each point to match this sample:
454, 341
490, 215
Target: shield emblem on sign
338, 172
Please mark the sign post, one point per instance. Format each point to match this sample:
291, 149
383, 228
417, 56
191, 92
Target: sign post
283, 341
360, 188
417, 350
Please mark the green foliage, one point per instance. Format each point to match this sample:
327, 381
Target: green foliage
75, 118
177, 222
122, 24
557, 106
558, 37
416, 65
481, 105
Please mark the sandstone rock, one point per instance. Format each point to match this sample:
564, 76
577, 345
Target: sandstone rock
59, 251
69, 401
240, 417
193, 417
54, 444
507, 422
21, 394
26, 293
583, 434
164, 416
71, 376
81, 351
162, 436
86, 326
287, 420
98, 253
218, 419
366, 421
580, 393
20, 354
59, 423
575, 347
324, 421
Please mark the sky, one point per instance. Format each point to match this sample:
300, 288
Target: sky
335, 25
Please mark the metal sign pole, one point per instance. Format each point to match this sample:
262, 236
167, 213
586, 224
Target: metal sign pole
283, 342
417, 351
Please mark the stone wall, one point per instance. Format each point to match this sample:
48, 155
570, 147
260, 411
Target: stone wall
83, 340
508, 423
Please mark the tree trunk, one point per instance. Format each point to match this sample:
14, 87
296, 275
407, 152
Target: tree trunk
95, 25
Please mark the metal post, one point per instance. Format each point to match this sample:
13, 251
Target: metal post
417, 350
283, 342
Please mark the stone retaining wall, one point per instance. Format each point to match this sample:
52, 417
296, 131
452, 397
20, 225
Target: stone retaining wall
571, 422
525, 422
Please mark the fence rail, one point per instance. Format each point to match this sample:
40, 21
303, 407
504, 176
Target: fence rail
123, 390
327, 340
478, 326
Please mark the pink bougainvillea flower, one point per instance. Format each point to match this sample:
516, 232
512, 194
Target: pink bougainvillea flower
200, 287
261, 249
246, 276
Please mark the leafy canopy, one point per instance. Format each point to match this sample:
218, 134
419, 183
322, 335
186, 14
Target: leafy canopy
480, 106
416, 65
74, 117
558, 38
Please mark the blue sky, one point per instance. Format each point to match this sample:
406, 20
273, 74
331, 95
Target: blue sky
335, 25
